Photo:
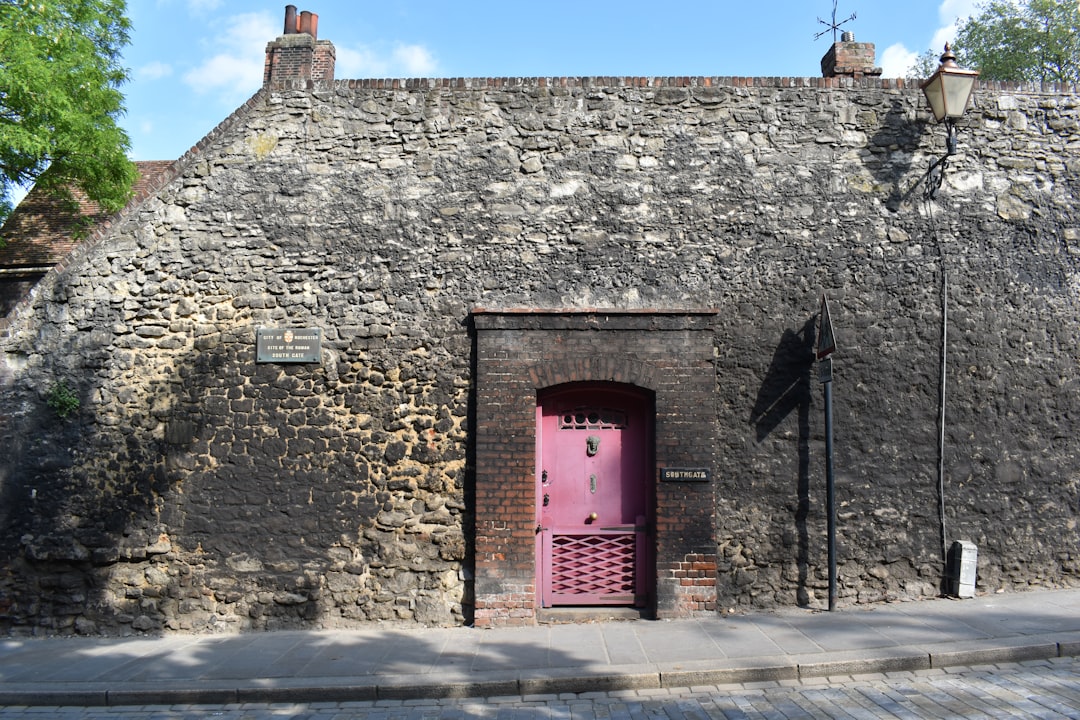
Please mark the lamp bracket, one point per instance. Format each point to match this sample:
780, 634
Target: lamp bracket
950, 136
935, 174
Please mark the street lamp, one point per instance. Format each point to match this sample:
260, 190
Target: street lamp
948, 91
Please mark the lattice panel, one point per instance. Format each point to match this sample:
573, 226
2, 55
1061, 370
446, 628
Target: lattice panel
593, 565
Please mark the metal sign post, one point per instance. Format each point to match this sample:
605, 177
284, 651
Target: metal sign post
826, 347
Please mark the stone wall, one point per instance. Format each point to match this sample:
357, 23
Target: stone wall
198, 490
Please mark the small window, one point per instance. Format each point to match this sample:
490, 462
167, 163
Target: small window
592, 418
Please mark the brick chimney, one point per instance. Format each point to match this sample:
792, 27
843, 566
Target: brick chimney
298, 54
848, 58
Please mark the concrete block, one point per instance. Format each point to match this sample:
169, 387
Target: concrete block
578, 680
411, 690
172, 696
860, 664
727, 675
57, 698
993, 655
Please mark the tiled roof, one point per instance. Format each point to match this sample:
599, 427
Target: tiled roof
44, 228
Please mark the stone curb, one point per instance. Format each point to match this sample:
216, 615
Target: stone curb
897, 660
538, 682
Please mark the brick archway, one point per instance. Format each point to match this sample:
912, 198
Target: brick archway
518, 353
593, 368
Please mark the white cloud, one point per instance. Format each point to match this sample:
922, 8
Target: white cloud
952, 10
950, 13
416, 60
237, 70
154, 71
360, 62
226, 74
896, 60
403, 61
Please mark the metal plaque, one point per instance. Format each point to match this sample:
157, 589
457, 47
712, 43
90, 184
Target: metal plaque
290, 345
825, 370
685, 475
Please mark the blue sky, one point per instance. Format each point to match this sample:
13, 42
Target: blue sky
192, 62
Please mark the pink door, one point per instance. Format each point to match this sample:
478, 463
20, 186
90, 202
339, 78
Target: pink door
594, 497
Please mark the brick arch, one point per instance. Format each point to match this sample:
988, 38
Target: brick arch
596, 368
520, 353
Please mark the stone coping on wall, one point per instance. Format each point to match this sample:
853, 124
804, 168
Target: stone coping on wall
715, 81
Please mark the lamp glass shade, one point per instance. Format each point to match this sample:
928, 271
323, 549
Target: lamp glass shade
949, 90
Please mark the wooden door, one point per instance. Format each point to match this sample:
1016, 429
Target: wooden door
594, 497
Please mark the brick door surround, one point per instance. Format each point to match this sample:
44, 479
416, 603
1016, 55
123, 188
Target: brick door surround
520, 352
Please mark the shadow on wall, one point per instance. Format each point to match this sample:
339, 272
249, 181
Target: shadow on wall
786, 389
201, 491
61, 523
202, 488
93, 505
893, 149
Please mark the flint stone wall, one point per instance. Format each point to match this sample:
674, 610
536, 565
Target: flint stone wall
197, 490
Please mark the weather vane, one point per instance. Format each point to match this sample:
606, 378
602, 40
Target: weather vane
834, 26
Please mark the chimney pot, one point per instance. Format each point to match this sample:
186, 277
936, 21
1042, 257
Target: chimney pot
309, 23
848, 58
299, 55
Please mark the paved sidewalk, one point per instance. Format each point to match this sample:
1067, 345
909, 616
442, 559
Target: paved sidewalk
395, 663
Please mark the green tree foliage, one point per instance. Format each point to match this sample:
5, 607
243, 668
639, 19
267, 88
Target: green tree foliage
1022, 40
60, 75
925, 64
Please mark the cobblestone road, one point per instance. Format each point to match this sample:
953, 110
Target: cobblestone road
1037, 689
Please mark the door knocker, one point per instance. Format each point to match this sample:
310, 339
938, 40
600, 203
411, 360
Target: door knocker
592, 445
